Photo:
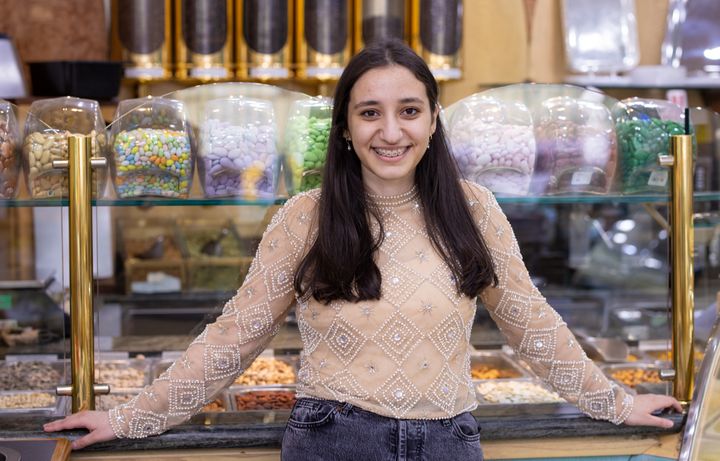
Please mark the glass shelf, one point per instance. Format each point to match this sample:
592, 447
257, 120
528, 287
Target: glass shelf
146, 202
233, 201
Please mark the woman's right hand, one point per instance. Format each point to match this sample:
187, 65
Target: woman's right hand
97, 422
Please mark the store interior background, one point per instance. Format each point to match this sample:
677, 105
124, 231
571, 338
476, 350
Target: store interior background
504, 42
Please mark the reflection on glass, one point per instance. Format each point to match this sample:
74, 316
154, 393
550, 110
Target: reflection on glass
600, 35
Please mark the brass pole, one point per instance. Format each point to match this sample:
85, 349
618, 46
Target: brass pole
682, 271
81, 296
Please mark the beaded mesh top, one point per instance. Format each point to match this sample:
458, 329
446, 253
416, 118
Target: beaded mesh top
406, 355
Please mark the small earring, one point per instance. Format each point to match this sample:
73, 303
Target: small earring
349, 146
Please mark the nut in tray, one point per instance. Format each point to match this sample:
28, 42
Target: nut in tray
495, 365
263, 398
640, 377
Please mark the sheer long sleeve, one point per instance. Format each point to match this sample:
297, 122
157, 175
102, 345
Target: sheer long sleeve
533, 328
230, 344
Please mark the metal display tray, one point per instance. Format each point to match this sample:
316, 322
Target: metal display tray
234, 393
500, 361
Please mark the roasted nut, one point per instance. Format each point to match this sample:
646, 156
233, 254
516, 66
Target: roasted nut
265, 400
28, 375
631, 377
489, 372
265, 371
516, 392
27, 400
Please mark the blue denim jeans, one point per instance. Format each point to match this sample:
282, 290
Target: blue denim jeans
327, 430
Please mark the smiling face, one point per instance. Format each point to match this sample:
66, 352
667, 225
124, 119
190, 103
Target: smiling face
389, 124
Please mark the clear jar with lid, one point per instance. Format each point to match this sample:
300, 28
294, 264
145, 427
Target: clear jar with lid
9, 152
48, 125
152, 149
644, 128
493, 142
238, 153
576, 147
306, 140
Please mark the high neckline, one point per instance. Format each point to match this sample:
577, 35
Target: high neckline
394, 200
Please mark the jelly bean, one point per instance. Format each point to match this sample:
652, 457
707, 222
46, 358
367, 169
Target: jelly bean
152, 161
237, 159
306, 148
640, 142
573, 158
499, 156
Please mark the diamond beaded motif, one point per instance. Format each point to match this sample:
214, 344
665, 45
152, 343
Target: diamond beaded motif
406, 355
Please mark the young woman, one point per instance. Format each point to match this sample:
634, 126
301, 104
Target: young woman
383, 267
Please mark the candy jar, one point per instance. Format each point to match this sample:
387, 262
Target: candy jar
151, 143
576, 148
306, 140
493, 143
238, 153
644, 127
48, 125
9, 158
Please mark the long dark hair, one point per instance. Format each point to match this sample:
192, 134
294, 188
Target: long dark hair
340, 264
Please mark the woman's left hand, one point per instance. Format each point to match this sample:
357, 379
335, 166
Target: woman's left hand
646, 404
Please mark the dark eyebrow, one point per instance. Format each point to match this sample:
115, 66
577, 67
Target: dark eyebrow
375, 103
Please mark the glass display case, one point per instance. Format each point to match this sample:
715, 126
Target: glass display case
178, 259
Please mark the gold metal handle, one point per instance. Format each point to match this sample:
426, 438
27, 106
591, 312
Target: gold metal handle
683, 287
98, 388
95, 162
667, 374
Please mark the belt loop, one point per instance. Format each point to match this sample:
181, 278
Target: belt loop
346, 407
446, 422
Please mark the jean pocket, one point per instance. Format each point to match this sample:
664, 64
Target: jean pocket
466, 428
310, 413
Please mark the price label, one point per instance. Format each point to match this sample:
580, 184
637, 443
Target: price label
581, 178
658, 178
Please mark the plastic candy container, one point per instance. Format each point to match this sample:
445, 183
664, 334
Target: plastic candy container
644, 127
576, 148
49, 124
152, 147
306, 140
9, 158
493, 143
238, 153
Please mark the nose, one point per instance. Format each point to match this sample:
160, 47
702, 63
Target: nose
391, 130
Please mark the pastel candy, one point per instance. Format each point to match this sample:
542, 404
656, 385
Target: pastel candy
499, 156
152, 162
237, 159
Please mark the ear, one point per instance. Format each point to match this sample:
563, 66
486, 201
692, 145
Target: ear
346, 134
436, 114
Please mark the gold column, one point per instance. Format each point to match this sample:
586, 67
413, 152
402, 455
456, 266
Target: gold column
82, 358
81, 266
682, 268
